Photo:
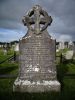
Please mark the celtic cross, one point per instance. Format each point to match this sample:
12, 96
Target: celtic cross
37, 17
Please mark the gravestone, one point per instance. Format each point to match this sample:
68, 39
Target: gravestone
70, 53
37, 70
61, 45
16, 47
5, 49
71, 45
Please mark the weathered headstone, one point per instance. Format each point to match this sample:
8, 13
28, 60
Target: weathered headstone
69, 55
37, 72
5, 51
16, 47
61, 45
71, 45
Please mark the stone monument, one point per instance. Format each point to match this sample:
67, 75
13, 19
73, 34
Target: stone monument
16, 47
70, 53
37, 70
61, 45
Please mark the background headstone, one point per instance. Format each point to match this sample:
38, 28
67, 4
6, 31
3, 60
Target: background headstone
69, 55
16, 47
71, 45
61, 45
5, 51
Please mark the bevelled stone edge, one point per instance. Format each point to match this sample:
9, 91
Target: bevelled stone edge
28, 86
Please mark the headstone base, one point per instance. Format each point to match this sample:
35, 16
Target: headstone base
28, 86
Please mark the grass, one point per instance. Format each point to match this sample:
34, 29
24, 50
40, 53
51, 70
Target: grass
71, 68
7, 68
5, 56
67, 84
67, 93
62, 51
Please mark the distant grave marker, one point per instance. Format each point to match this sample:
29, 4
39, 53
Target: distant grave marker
5, 51
16, 47
70, 53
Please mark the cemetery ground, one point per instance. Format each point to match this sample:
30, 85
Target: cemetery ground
9, 72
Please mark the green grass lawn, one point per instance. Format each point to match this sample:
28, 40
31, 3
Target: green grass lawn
67, 92
67, 83
5, 56
8, 68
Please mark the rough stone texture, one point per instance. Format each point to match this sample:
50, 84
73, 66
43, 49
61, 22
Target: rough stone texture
28, 86
40, 17
37, 70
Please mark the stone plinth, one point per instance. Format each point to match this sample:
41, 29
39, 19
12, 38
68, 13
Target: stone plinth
36, 86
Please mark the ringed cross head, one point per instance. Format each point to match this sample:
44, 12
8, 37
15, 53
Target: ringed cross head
37, 20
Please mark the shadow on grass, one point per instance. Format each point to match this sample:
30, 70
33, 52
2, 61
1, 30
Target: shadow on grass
6, 88
67, 88
30, 96
6, 69
62, 69
64, 95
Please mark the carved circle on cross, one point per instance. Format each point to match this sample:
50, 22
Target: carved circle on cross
37, 20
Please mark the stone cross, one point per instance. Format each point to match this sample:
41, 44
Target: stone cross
37, 20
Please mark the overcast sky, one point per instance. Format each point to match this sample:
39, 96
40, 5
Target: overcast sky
62, 12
